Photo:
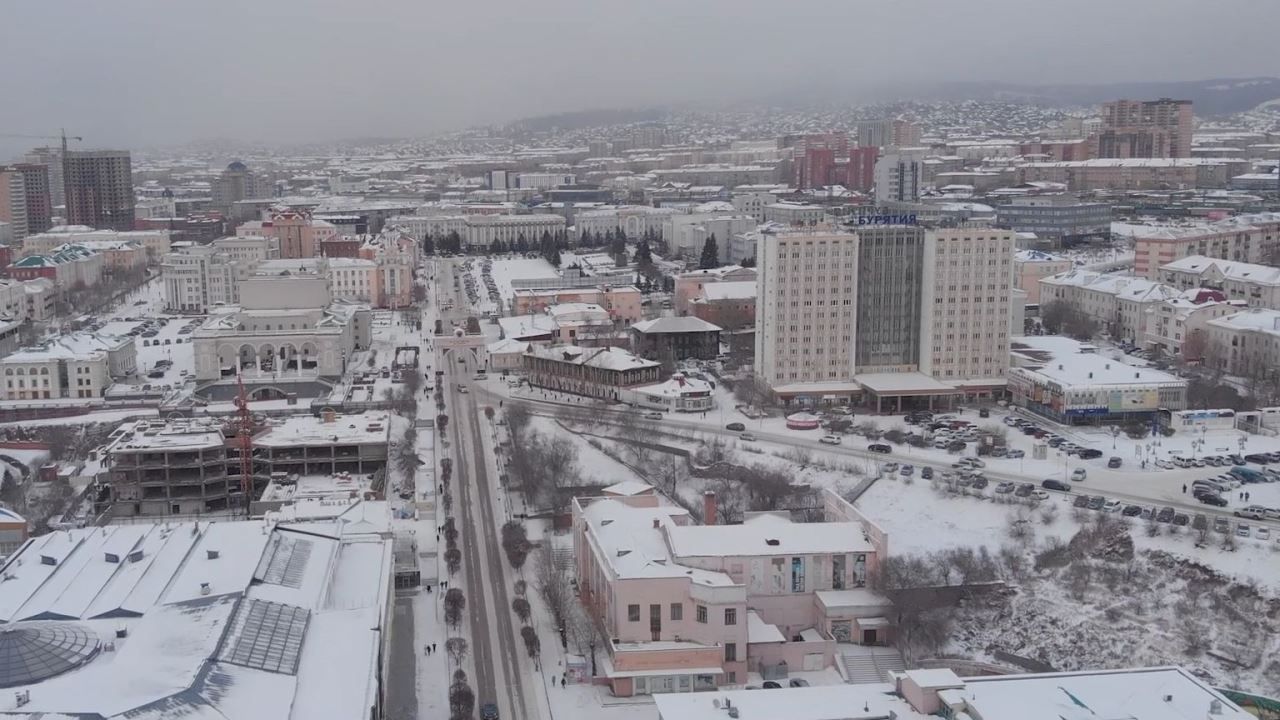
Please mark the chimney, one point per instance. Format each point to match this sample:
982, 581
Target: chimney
709, 508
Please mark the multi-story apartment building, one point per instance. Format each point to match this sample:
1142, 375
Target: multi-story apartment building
1134, 173
51, 159
80, 365
27, 299
1179, 326
201, 278
1144, 129
895, 311
13, 201
899, 176
234, 184
1252, 238
1257, 285
889, 132
1032, 266
1117, 301
688, 607
24, 198
1057, 218
99, 188
1245, 344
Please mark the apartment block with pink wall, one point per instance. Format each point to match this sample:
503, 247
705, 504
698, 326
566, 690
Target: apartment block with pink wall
1032, 266
690, 284
687, 607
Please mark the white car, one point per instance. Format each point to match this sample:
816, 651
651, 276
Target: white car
1039, 495
1262, 533
1078, 474
830, 440
748, 437
1112, 506
653, 415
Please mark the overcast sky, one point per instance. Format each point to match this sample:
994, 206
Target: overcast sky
142, 72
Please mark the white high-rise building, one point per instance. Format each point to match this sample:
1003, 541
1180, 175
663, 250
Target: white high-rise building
891, 312
899, 176
806, 306
966, 291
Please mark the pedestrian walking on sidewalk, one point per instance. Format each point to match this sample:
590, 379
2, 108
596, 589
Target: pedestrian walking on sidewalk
562, 682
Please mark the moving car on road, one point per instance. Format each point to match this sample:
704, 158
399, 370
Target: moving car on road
830, 440
739, 427
1058, 485
880, 448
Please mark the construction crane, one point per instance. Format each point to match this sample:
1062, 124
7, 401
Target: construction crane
63, 136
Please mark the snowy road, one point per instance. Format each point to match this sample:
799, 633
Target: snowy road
1137, 495
496, 647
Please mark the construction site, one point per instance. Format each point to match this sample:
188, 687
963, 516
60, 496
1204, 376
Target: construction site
220, 466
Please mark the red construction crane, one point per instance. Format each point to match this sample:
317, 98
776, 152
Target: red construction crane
244, 437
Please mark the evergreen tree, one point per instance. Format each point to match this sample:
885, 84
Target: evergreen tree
452, 242
710, 254
618, 249
428, 247
748, 261
644, 258
554, 259
522, 245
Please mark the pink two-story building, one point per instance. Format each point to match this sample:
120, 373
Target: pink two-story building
687, 607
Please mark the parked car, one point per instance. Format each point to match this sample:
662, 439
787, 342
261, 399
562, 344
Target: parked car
1166, 514
1114, 462
653, 415
1112, 506
955, 446
1242, 530
1004, 488
798, 682
1131, 510
1039, 495
1081, 501
1262, 533
1221, 525
907, 470
1252, 512
926, 473
830, 440
1015, 454
1024, 490
890, 468
1058, 485
979, 483
1181, 519
771, 685
1078, 474
1089, 454
1212, 499
747, 437
1096, 502
736, 426
879, 447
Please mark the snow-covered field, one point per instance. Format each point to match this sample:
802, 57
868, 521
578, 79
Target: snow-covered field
503, 271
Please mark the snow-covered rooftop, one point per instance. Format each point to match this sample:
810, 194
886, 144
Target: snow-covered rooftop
1255, 319
631, 541
368, 427
732, 290
1073, 364
230, 620
686, 324
768, 535
1230, 269
1135, 694
608, 358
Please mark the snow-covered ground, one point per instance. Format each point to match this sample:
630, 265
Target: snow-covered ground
503, 271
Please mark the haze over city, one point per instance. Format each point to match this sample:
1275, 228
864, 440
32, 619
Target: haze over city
140, 72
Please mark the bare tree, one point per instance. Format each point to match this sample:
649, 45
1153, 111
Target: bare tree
456, 647
753, 391
669, 471
585, 633
922, 622
552, 581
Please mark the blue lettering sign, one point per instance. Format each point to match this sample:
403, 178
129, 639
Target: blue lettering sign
887, 220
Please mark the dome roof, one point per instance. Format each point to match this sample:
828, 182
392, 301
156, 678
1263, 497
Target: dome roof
237, 166
34, 651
